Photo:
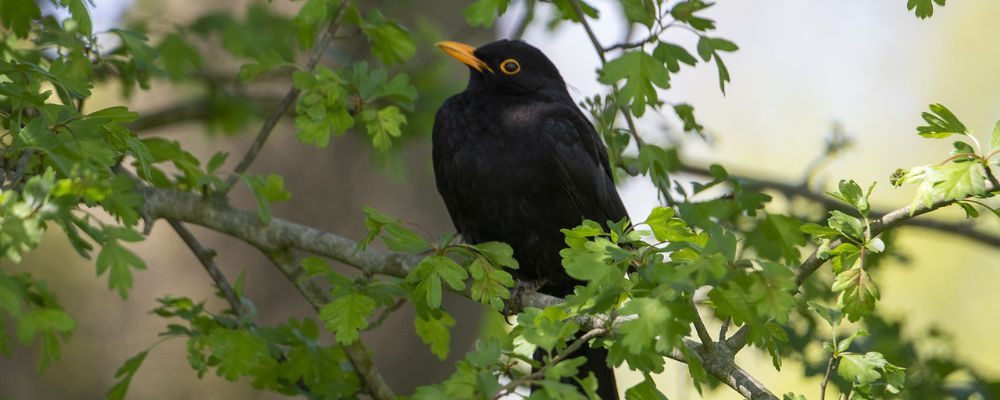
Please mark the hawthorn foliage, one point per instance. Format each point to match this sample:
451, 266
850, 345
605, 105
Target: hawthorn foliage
648, 283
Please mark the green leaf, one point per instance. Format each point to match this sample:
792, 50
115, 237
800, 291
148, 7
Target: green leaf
425, 279
950, 181
721, 44
862, 368
18, 14
434, 331
686, 113
374, 221
846, 343
347, 314
644, 390
239, 352
266, 61
707, 49
82, 17
995, 138
858, 293
641, 72
672, 55
490, 283
655, 331
484, 12
390, 42
778, 236
546, 328
851, 193
820, 231
639, 11
267, 191
123, 202
314, 266
179, 57
498, 253
118, 259
42, 320
126, 372
588, 263
771, 291
216, 161
941, 123
924, 8
399, 89
397, 238
847, 225
666, 227
875, 245
831, 315
310, 16
970, 211
322, 109
137, 44
383, 125
684, 12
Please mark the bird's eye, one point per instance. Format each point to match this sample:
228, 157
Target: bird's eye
510, 66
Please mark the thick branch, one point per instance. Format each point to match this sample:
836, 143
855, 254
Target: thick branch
278, 234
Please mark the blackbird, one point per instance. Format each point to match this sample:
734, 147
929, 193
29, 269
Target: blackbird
515, 161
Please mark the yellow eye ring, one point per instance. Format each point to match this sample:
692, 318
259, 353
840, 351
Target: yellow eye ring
510, 66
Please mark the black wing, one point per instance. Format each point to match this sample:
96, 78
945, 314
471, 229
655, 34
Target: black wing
583, 166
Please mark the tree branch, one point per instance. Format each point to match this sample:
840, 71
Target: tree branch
193, 110
964, 229
286, 102
357, 352
205, 257
279, 235
878, 226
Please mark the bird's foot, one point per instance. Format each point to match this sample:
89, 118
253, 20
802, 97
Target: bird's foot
513, 304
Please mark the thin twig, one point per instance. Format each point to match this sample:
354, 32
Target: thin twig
889, 220
579, 342
724, 329
357, 352
206, 258
19, 170
385, 314
792, 190
614, 88
699, 327
286, 103
826, 378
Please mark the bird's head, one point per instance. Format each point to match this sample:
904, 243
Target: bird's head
508, 66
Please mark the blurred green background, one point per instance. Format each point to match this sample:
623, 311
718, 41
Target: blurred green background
870, 67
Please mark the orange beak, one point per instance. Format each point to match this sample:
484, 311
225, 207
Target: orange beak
464, 53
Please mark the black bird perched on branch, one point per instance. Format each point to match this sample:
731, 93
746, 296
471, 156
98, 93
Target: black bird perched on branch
516, 161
